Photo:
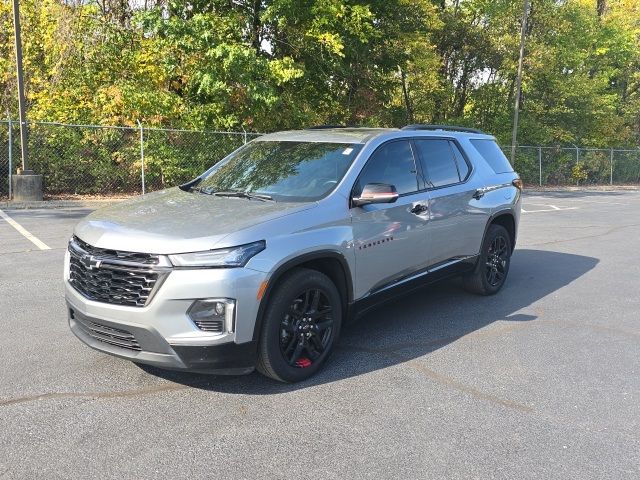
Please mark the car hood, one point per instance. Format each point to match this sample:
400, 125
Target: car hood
175, 221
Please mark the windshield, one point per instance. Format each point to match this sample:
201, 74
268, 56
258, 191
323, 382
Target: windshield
283, 171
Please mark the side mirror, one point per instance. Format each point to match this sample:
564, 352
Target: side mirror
376, 193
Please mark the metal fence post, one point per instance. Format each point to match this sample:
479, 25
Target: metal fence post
577, 162
10, 157
611, 161
540, 163
141, 154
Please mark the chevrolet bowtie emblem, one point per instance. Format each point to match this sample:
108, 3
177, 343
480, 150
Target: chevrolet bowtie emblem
91, 262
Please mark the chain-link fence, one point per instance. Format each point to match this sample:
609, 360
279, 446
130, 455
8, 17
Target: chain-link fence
106, 160
555, 166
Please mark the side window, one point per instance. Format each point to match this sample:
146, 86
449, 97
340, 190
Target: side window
492, 154
438, 162
463, 167
391, 163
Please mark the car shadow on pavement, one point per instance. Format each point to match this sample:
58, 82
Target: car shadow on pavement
419, 323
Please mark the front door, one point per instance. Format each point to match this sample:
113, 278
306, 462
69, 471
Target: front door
390, 239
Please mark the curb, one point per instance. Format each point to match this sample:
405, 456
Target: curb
607, 189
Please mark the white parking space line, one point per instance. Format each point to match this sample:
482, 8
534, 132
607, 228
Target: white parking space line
552, 209
597, 202
25, 233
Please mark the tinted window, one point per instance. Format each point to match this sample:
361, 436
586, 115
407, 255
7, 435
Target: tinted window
287, 171
463, 167
392, 163
492, 155
438, 163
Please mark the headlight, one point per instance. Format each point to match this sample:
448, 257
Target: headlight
223, 257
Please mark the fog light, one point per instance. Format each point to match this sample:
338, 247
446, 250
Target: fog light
213, 314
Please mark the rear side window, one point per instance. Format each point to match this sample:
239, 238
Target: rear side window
437, 162
492, 154
463, 167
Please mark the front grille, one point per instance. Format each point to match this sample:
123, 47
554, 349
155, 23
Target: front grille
109, 254
209, 325
113, 276
112, 336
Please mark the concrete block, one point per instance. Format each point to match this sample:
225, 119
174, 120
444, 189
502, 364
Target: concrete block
26, 187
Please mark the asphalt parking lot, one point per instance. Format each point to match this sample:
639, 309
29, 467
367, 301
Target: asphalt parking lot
539, 381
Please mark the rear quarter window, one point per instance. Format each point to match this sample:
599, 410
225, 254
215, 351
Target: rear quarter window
490, 151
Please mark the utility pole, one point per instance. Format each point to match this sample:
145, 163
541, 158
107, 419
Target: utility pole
21, 99
514, 136
27, 186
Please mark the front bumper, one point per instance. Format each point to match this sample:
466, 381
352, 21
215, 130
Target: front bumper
162, 334
226, 358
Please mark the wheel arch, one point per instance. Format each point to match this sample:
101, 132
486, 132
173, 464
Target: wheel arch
506, 219
331, 263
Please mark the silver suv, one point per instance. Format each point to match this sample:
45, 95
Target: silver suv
259, 262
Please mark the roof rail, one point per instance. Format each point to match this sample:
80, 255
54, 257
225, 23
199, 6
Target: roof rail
325, 127
448, 128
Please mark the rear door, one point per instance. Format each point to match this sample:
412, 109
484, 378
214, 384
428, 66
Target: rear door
390, 239
457, 219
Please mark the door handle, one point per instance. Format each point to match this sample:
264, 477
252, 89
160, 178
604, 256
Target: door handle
479, 193
419, 208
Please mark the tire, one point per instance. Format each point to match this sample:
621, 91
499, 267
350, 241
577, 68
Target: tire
491, 271
300, 326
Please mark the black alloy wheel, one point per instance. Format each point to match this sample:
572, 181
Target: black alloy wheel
305, 330
490, 273
496, 263
300, 326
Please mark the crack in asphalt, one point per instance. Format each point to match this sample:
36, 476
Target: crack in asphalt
474, 392
435, 376
392, 352
93, 395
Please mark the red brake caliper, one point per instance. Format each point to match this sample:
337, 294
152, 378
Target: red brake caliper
303, 363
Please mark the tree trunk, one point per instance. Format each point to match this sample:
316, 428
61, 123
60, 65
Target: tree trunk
601, 7
405, 94
256, 27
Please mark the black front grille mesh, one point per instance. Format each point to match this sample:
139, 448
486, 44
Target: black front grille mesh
112, 336
209, 325
98, 276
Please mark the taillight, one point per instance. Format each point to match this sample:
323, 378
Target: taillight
518, 184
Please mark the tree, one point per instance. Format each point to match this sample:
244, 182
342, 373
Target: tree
272, 64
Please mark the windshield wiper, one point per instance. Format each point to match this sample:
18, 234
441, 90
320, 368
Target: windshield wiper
240, 194
205, 190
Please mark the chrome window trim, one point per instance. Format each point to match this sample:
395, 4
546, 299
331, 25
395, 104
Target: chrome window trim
472, 167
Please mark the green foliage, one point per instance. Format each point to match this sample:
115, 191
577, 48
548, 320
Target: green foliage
95, 160
579, 173
275, 64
